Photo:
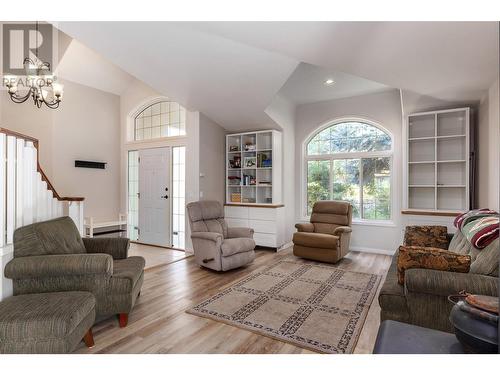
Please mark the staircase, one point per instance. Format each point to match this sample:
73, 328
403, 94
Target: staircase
26, 195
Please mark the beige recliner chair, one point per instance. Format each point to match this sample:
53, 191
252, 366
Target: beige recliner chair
326, 238
215, 245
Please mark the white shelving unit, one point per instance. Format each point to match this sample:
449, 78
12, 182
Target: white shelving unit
254, 185
253, 162
437, 161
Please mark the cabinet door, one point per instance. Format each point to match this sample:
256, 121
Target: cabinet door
236, 212
265, 239
232, 222
263, 226
260, 213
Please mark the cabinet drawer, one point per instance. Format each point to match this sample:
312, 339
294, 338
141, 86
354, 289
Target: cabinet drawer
263, 226
259, 213
236, 212
231, 222
265, 239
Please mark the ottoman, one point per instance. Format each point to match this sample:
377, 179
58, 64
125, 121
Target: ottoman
46, 322
401, 338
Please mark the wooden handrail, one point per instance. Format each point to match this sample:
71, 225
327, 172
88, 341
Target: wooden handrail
36, 144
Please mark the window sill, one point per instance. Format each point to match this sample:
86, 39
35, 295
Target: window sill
373, 223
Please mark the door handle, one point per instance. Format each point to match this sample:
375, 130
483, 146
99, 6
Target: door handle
164, 196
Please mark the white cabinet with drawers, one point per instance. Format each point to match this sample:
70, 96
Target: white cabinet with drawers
268, 222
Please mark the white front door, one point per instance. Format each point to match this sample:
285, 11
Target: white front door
154, 196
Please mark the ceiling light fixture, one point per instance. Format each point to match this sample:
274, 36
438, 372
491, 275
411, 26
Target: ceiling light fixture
329, 82
41, 84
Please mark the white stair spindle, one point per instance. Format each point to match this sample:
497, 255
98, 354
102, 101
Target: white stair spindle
11, 187
20, 165
49, 204
55, 212
38, 197
28, 171
3, 141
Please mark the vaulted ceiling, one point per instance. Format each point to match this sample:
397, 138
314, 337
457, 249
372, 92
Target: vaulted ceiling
231, 71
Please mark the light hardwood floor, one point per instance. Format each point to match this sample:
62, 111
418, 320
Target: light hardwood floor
155, 256
159, 324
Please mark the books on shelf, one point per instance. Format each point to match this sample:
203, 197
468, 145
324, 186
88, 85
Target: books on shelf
264, 161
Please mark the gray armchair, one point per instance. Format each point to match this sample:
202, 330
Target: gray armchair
51, 256
215, 245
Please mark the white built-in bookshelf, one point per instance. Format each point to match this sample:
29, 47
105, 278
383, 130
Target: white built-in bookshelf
253, 168
437, 158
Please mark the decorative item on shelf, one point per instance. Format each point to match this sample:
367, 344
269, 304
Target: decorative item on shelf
267, 163
250, 162
248, 200
250, 147
266, 183
248, 180
269, 200
234, 180
40, 82
235, 163
234, 148
235, 197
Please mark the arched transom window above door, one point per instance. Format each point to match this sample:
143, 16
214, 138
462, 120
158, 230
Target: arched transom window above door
350, 160
159, 120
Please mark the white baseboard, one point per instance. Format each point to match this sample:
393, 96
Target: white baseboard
352, 248
372, 250
285, 246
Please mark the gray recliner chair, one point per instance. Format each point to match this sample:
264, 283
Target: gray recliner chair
215, 245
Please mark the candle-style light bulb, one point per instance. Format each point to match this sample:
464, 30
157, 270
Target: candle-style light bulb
58, 90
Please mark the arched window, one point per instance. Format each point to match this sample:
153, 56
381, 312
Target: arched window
351, 160
161, 119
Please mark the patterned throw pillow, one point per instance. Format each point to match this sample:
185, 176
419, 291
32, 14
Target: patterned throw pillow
426, 236
430, 258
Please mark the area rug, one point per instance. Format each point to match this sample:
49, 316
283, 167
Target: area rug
315, 306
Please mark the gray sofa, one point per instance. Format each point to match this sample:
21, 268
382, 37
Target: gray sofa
51, 256
423, 299
215, 245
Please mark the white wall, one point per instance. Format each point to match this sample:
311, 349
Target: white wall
383, 108
483, 159
212, 160
493, 146
282, 112
87, 127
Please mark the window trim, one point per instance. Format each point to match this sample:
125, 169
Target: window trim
346, 155
149, 102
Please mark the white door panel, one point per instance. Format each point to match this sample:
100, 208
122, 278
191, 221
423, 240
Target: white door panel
154, 208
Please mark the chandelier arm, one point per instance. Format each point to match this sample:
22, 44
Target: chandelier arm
20, 99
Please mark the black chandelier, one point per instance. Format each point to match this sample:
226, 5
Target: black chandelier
39, 81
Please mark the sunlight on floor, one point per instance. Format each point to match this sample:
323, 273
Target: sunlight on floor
155, 256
